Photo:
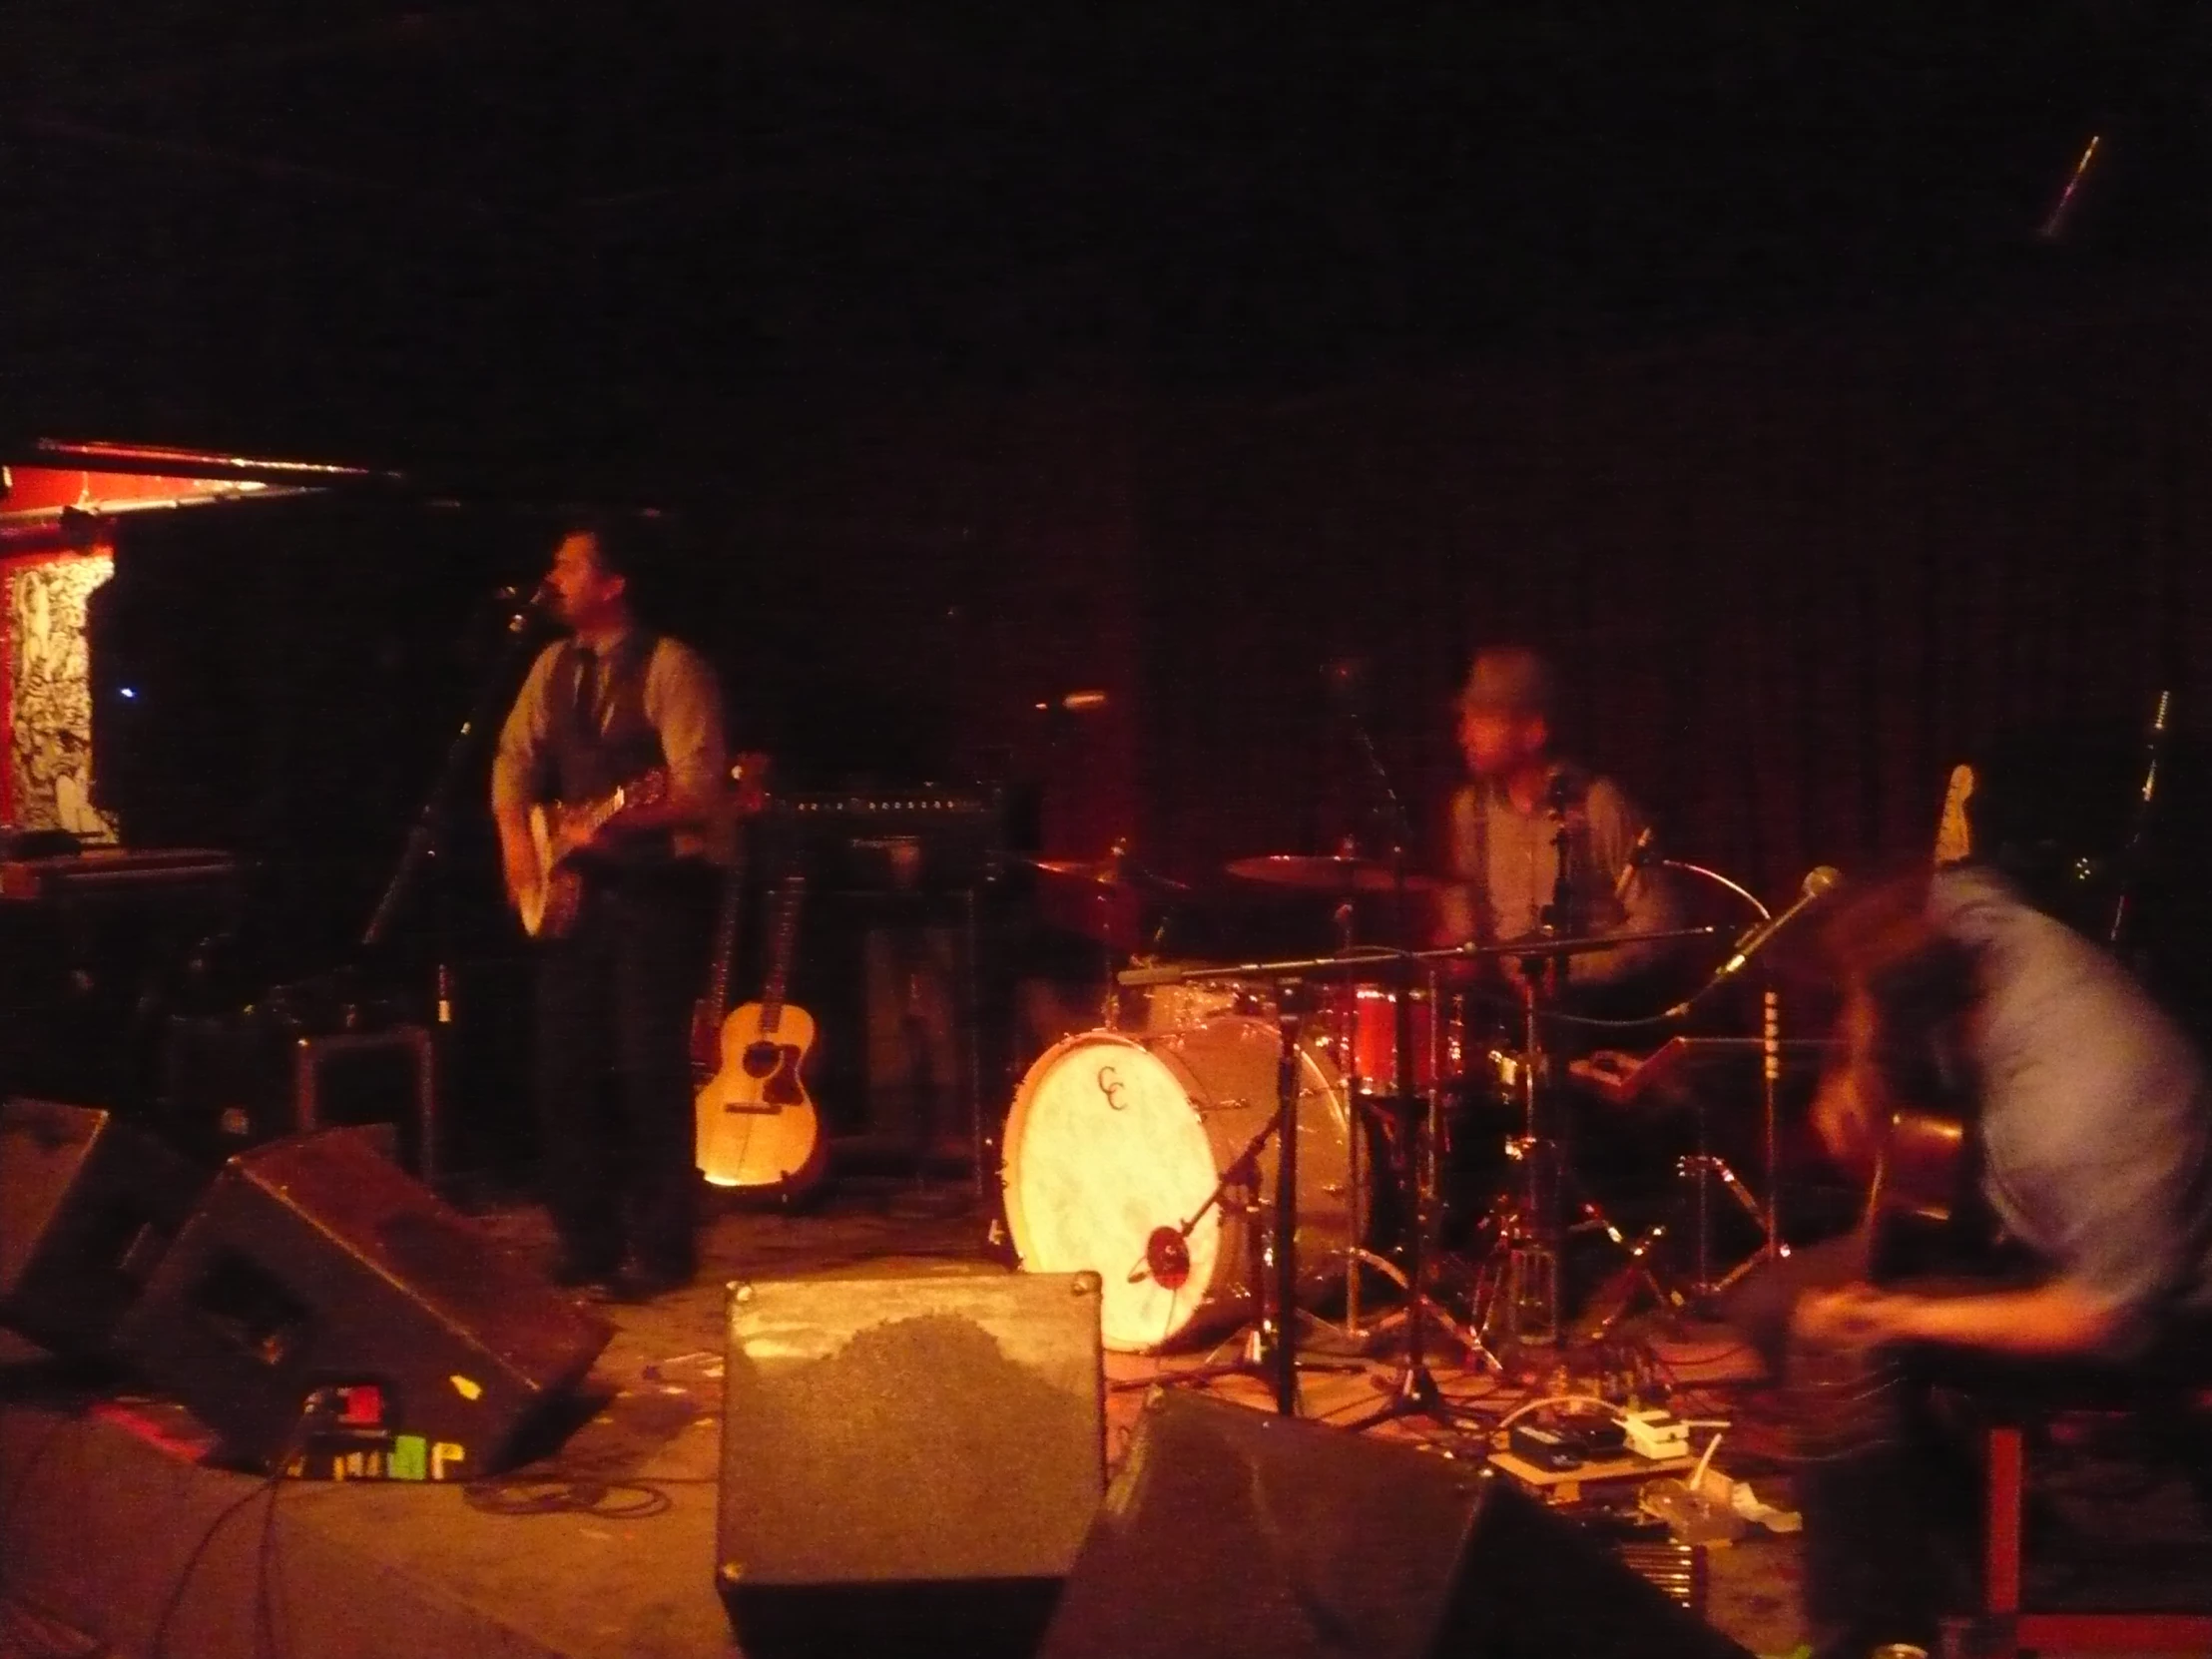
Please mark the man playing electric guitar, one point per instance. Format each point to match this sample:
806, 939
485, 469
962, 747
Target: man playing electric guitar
2092, 1129
611, 705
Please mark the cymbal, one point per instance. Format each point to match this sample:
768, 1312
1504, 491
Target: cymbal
1327, 873
1105, 872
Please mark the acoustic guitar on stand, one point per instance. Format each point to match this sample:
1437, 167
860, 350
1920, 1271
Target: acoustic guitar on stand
749, 773
758, 1128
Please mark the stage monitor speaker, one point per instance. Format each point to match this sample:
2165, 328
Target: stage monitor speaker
908, 1464
323, 1311
1229, 1533
88, 1206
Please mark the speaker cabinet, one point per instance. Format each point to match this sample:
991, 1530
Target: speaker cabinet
322, 1311
908, 1464
88, 1206
1233, 1534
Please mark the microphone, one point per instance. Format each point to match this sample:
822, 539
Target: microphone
1818, 883
525, 602
1639, 854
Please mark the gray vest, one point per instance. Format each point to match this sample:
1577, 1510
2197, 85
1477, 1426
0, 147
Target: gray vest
598, 750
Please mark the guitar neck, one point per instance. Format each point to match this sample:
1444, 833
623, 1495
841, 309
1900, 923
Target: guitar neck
779, 953
749, 772
725, 935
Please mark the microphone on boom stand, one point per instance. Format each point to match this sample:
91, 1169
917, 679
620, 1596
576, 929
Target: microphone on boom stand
1819, 882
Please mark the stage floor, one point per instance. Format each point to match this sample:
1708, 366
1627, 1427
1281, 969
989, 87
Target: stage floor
114, 1538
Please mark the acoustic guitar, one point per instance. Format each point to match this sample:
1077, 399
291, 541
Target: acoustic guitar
749, 773
758, 1128
1920, 1192
559, 832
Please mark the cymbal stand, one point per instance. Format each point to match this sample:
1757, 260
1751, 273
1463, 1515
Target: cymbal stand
1414, 1391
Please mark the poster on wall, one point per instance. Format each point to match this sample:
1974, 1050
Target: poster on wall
48, 690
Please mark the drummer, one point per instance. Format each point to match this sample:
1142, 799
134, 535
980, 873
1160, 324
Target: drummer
1502, 853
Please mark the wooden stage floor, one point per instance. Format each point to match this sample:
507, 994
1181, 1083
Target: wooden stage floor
115, 1539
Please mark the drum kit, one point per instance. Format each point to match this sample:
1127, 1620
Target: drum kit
1217, 1154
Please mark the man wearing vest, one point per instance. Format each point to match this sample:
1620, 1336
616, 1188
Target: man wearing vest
598, 711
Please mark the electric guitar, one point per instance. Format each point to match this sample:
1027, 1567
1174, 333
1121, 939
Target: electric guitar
749, 773
758, 1128
558, 831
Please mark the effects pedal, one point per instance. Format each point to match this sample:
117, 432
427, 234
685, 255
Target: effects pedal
1657, 1435
1553, 1450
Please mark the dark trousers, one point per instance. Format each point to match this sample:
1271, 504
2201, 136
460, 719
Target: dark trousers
614, 1084
1889, 1482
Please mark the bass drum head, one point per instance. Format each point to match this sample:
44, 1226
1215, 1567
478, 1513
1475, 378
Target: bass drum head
1111, 1139
1103, 1144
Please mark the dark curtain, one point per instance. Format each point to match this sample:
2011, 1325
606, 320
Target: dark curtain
1789, 580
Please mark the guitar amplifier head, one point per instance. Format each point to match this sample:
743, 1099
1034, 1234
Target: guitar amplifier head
921, 840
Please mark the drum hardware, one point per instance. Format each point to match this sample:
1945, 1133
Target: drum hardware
1347, 875
1519, 1289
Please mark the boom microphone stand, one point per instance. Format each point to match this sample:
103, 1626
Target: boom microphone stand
1281, 1334
422, 838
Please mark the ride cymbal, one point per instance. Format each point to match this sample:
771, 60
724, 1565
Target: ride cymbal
1329, 872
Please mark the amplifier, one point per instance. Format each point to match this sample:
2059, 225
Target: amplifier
924, 839
232, 1082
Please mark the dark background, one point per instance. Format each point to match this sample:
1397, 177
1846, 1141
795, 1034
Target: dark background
984, 354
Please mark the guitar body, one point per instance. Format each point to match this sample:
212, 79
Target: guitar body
558, 833
548, 911
1919, 1198
758, 1127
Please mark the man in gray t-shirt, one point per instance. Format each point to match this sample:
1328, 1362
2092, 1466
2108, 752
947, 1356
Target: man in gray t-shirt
2094, 1129
2094, 1126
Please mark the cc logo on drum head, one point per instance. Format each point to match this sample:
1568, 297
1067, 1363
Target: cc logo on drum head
1109, 1085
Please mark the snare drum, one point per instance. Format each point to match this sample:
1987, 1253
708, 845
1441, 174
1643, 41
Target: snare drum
1194, 1001
1365, 1040
1114, 1139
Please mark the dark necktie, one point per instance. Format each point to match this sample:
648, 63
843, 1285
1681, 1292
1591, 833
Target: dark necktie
588, 676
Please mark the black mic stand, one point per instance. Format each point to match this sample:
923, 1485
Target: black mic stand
1277, 1329
1414, 1389
423, 837
428, 830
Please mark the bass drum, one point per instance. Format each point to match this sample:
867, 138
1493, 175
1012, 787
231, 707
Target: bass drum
1114, 1138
